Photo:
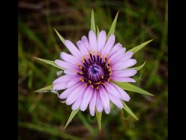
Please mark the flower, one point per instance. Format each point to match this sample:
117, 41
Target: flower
90, 70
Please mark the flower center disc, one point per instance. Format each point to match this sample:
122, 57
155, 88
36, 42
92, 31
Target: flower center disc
95, 72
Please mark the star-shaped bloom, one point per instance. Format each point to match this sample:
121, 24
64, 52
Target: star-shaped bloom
90, 72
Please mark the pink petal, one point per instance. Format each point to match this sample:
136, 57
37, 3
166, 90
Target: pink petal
92, 40
124, 95
92, 104
124, 73
72, 48
77, 103
112, 90
101, 40
117, 56
82, 48
123, 79
99, 105
105, 100
115, 49
68, 58
72, 82
115, 101
127, 56
74, 94
64, 78
124, 64
68, 91
60, 86
85, 42
70, 72
86, 99
109, 44
65, 65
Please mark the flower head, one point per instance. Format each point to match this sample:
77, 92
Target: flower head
90, 70
96, 73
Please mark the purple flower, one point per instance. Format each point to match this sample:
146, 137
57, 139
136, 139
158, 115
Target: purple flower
90, 70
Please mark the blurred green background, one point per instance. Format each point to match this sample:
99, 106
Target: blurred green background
42, 117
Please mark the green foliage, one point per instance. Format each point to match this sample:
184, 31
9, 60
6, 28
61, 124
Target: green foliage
73, 113
60, 37
98, 117
126, 108
45, 89
93, 25
139, 67
113, 26
139, 47
52, 63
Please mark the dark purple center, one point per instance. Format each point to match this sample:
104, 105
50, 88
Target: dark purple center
95, 70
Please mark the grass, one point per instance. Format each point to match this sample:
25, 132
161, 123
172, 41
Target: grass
42, 116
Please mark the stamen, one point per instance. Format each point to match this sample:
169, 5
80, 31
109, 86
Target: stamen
82, 80
100, 55
86, 62
95, 69
80, 73
108, 79
83, 60
98, 83
103, 84
105, 57
81, 67
94, 58
85, 85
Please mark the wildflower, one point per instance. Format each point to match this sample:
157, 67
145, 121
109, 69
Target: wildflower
96, 73
89, 71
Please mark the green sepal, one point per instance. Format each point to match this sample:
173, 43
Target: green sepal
60, 37
139, 47
73, 113
45, 89
113, 26
92, 25
50, 62
130, 87
126, 108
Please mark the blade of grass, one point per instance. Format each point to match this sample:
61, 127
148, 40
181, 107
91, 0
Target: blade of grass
54, 131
